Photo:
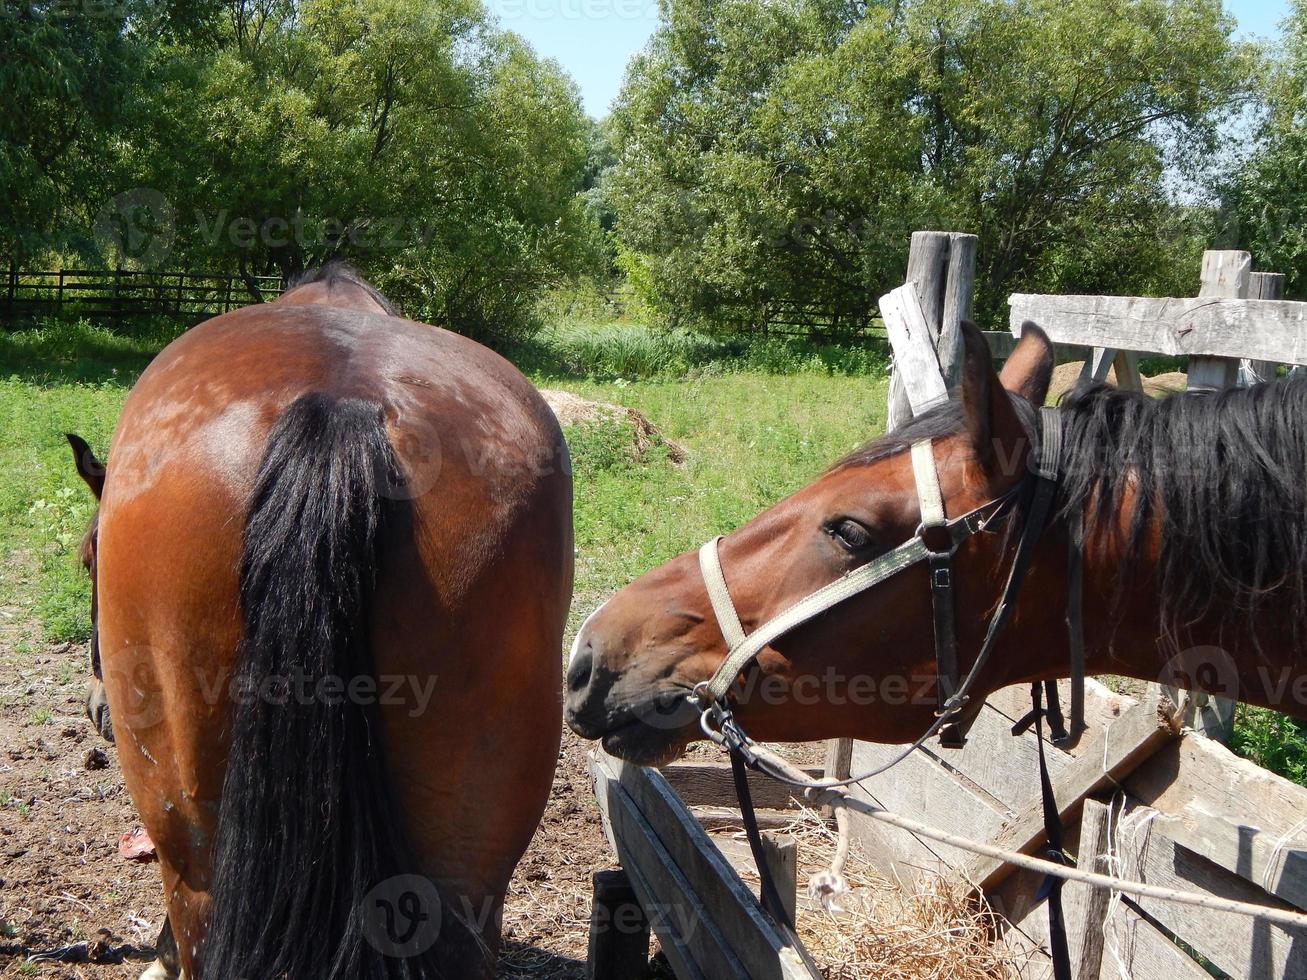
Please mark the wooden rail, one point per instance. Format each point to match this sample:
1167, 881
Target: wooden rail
117, 293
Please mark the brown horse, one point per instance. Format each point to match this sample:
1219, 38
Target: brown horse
332, 565
1194, 565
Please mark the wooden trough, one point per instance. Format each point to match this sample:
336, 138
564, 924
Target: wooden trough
1144, 794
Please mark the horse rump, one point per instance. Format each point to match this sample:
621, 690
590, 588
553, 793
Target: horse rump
308, 827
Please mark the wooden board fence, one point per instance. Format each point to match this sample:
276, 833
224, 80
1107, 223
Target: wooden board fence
111, 293
707, 919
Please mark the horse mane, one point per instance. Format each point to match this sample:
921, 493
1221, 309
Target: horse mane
337, 271
1223, 474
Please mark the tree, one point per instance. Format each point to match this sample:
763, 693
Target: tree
785, 151
65, 77
435, 152
1267, 198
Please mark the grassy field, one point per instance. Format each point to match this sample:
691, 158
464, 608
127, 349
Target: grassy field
758, 420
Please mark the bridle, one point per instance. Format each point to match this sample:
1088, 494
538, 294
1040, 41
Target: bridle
936, 542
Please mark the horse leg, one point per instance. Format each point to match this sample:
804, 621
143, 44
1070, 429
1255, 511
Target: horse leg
166, 965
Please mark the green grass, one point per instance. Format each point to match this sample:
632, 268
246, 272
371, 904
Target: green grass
759, 419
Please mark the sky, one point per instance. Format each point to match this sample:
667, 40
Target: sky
594, 39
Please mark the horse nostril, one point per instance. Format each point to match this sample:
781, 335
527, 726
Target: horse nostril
580, 670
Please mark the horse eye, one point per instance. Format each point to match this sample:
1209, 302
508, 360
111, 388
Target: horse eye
851, 534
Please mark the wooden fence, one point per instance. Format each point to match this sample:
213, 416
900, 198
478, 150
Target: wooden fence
1144, 793
117, 293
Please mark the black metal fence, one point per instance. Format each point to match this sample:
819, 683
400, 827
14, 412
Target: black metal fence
124, 293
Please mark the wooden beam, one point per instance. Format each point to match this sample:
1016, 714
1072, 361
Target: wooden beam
676, 910
1084, 908
1225, 275
712, 784
1108, 756
959, 285
1275, 331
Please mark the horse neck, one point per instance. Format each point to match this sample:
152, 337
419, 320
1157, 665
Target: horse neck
1257, 661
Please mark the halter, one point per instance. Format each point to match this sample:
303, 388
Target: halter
935, 542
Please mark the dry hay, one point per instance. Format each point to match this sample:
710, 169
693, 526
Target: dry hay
572, 409
889, 930
1066, 375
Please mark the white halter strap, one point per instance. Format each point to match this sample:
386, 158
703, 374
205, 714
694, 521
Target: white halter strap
744, 648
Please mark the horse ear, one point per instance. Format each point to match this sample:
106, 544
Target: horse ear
991, 421
89, 468
1030, 368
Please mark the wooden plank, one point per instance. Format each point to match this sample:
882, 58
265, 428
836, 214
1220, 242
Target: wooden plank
677, 912
1126, 365
1109, 754
1144, 952
927, 271
1275, 331
1230, 811
1097, 364
711, 784
921, 787
1244, 947
749, 934
720, 817
915, 360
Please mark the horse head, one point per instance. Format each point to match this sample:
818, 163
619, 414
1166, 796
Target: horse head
92, 472
865, 667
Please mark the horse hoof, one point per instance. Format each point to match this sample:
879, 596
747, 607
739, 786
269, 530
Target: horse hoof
157, 971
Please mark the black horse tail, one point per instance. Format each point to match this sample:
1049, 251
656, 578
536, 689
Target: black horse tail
308, 826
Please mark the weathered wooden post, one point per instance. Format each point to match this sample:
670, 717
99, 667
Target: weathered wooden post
781, 852
619, 929
1225, 275
1261, 285
942, 266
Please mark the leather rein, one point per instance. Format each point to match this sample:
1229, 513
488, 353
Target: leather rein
936, 542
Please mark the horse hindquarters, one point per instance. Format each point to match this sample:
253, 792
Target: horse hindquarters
308, 825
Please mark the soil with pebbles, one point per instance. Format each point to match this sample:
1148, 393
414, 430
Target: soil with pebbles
70, 906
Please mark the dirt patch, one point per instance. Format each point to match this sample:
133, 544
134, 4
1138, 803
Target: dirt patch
572, 409
1066, 375
68, 898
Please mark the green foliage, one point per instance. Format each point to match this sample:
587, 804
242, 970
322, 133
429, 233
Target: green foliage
1272, 740
786, 150
1267, 198
414, 138
629, 351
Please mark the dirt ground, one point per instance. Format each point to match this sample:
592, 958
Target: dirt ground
66, 895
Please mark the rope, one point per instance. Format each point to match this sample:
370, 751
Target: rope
836, 797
